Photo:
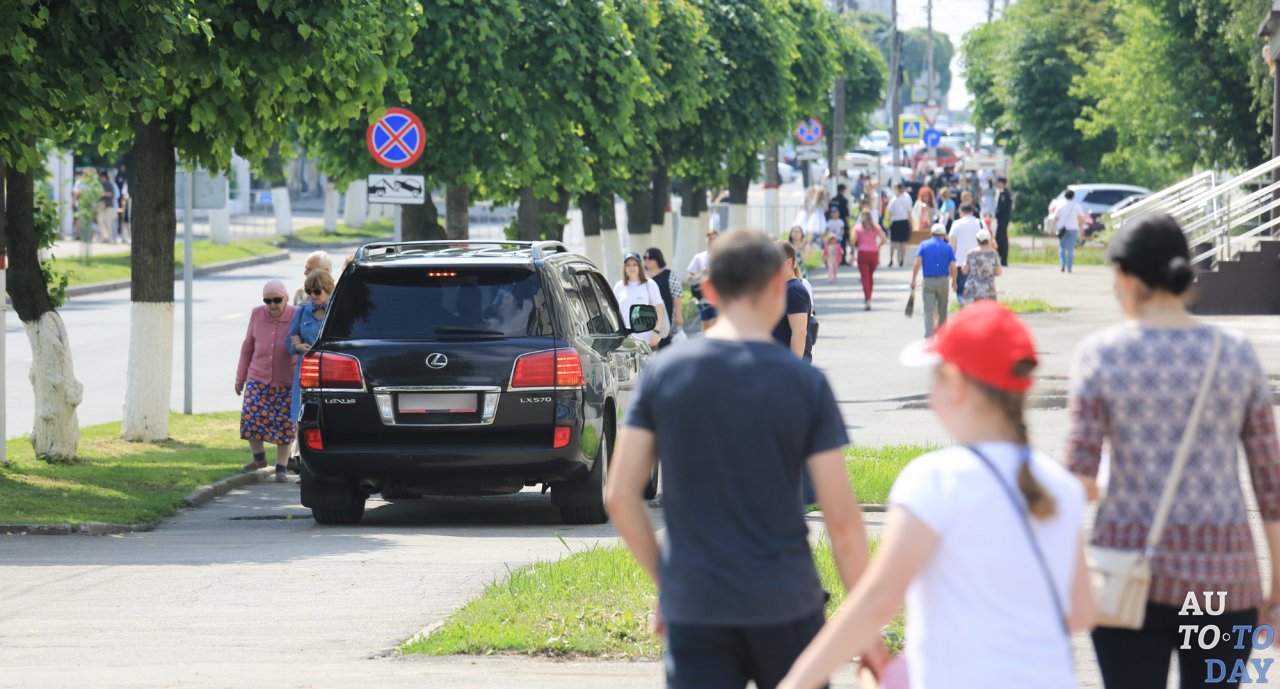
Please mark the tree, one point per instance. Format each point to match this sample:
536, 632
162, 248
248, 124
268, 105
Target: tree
258, 68
874, 27
865, 77
982, 56
61, 62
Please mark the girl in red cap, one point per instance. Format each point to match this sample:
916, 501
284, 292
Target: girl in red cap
982, 540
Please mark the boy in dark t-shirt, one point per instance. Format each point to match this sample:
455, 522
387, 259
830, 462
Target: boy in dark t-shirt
739, 594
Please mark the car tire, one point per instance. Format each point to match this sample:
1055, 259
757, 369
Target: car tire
651, 488
350, 514
593, 512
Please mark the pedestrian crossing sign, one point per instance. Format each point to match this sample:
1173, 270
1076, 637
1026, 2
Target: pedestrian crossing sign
910, 130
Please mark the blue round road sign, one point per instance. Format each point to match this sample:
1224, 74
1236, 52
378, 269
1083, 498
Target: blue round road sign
397, 139
809, 132
932, 137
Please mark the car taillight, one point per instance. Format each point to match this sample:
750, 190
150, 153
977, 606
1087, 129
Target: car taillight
329, 370
561, 368
562, 437
313, 439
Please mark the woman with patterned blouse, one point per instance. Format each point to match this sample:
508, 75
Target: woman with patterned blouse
1133, 386
981, 268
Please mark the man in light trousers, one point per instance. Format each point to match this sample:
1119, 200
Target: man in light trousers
937, 260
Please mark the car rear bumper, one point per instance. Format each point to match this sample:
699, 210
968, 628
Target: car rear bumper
443, 464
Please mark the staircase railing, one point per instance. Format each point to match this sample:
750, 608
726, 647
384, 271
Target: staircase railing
1216, 218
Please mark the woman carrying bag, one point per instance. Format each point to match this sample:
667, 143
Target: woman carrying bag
636, 288
1172, 397
983, 539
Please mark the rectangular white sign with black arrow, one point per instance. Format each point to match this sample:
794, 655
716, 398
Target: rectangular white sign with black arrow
407, 190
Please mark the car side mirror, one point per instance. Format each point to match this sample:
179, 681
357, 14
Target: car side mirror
643, 318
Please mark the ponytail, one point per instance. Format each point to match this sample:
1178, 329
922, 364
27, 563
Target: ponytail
1013, 404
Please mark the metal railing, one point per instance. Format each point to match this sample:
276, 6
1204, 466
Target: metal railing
1218, 219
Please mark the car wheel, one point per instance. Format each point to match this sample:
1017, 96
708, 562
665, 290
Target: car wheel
348, 514
593, 512
651, 488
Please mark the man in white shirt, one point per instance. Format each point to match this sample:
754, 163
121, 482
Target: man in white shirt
1067, 222
899, 212
694, 276
964, 238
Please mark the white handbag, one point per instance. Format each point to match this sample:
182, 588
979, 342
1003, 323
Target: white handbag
1121, 579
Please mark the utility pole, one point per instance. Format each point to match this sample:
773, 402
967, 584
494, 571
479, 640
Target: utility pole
835, 148
895, 102
991, 10
928, 52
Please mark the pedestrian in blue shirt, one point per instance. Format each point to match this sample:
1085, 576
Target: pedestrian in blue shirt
937, 260
738, 594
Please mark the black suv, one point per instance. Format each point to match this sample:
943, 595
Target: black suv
466, 368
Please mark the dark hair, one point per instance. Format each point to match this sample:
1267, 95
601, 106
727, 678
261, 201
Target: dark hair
1013, 405
1153, 249
966, 208
841, 188
1002, 180
743, 263
1070, 194
655, 253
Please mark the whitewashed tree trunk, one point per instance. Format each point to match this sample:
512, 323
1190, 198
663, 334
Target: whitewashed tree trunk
357, 210
737, 217
771, 225
330, 208
612, 247
283, 209
56, 432
595, 249
150, 373
220, 226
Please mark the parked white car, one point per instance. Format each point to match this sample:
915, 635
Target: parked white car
1095, 199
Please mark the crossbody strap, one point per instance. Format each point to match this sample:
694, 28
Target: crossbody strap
1021, 509
1184, 448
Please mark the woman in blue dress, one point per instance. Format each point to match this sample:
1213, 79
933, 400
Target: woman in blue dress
305, 327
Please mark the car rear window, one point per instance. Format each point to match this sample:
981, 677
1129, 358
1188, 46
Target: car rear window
438, 303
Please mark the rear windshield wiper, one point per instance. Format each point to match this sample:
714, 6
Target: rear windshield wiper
483, 332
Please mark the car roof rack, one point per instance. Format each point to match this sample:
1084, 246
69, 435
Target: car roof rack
537, 250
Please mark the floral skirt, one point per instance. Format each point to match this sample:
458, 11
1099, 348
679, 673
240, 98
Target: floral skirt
265, 414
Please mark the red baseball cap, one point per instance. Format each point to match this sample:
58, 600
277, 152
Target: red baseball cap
985, 341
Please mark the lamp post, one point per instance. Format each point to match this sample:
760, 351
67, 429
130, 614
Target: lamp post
1270, 30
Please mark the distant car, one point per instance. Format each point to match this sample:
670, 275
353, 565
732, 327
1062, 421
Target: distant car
1096, 200
946, 157
878, 139
786, 172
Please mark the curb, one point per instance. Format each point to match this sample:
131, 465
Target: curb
195, 498
82, 290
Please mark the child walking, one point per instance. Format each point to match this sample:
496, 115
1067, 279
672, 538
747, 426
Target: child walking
832, 255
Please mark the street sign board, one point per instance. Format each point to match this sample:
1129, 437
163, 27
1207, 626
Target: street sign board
405, 190
815, 152
809, 132
210, 190
930, 113
986, 162
910, 130
919, 94
932, 137
397, 139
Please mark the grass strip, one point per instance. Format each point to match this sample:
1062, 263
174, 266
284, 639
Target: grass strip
315, 234
115, 267
872, 470
1021, 306
593, 603
121, 482
1048, 254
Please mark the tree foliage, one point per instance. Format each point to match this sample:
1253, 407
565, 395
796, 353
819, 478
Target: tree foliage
874, 27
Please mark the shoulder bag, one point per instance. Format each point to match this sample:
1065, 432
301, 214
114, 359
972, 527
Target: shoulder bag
1121, 579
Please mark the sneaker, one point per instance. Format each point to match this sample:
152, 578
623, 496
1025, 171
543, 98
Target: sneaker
255, 465
867, 305
281, 475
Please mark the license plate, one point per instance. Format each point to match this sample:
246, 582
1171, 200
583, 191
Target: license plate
438, 403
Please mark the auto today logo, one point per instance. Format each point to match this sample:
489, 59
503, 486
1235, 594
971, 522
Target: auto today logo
1210, 637
437, 360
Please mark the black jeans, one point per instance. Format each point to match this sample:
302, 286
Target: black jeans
716, 657
1139, 658
1002, 241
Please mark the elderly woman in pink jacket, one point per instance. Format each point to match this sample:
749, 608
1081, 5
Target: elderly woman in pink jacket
265, 377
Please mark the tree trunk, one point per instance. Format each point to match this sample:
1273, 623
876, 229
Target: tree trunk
421, 222
690, 239
659, 218
610, 239
330, 207
55, 435
739, 187
556, 214
640, 219
150, 367
528, 227
772, 224
457, 211
590, 206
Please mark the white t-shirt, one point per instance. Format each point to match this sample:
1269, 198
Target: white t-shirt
981, 601
1068, 216
636, 293
900, 208
965, 232
698, 266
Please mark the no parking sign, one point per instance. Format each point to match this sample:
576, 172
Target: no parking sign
397, 139
809, 132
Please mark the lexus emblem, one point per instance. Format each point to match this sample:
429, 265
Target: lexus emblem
437, 360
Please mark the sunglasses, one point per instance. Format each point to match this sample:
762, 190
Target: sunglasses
315, 292
272, 300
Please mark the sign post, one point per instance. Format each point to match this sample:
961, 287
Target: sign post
195, 189
4, 319
930, 113
396, 141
